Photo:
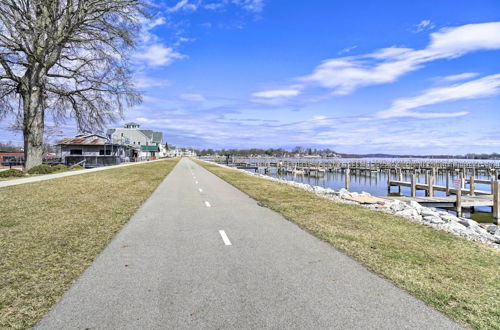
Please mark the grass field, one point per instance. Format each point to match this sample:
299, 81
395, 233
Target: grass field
455, 276
51, 231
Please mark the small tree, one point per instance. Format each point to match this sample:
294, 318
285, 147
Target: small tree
69, 58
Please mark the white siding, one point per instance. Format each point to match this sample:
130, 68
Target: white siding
134, 135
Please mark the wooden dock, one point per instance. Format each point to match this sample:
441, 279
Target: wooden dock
359, 166
459, 186
464, 198
447, 201
316, 167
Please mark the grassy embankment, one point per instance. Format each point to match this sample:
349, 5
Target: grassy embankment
455, 276
51, 231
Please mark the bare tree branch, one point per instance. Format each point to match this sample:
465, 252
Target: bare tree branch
69, 58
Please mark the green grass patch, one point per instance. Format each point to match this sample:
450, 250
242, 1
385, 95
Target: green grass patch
60, 168
77, 167
42, 169
455, 276
12, 173
51, 231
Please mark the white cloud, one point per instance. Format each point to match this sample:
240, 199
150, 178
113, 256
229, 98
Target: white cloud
346, 74
479, 88
152, 121
347, 50
151, 51
255, 6
157, 55
146, 36
251, 5
214, 5
155, 22
275, 96
182, 40
276, 93
453, 42
183, 5
192, 97
458, 77
424, 25
144, 82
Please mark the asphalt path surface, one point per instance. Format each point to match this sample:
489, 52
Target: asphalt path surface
200, 254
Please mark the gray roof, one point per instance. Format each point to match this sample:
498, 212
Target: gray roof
147, 132
156, 137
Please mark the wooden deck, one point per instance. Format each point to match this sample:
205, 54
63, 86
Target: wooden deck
448, 201
425, 186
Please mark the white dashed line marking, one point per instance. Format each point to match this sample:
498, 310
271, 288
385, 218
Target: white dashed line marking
207, 204
196, 182
224, 237
201, 190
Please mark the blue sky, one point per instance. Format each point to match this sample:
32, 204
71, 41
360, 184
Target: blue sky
358, 76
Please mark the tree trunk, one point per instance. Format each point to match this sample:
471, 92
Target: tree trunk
33, 127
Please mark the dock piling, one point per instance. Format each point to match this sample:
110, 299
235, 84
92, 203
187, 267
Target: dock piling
472, 185
496, 202
458, 203
413, 185
430, 186
447, 183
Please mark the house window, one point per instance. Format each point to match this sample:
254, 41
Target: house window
75, 152
122, 134
139, 143
102, 151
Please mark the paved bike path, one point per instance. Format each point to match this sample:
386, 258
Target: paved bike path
171, 267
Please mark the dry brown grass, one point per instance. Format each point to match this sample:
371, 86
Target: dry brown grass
455, 276
51, 231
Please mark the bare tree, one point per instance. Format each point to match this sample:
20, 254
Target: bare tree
66, 58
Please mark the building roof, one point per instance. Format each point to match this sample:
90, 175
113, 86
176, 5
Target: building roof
156, 137
147, 132
150, 148
85, 139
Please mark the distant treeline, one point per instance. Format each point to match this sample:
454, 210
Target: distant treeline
467, 156
301, 151
271, 152
483, 156
9, 147
280, 152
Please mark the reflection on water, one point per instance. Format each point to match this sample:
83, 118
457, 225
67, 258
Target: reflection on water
375, 183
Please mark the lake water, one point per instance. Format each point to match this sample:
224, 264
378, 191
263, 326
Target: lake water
376, 184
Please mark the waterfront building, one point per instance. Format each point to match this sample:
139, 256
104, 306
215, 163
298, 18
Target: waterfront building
147, 144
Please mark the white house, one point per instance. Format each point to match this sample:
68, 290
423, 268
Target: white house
147, 144
179, 152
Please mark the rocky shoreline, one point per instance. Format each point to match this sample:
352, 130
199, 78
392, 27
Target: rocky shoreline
485, 233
